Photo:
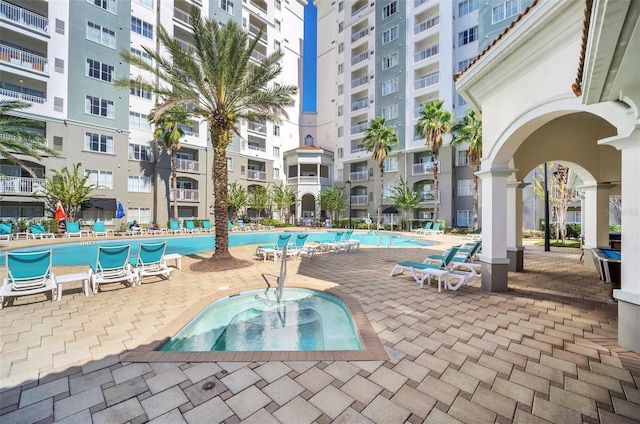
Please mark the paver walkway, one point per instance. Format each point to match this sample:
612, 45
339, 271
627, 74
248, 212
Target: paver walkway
546, 350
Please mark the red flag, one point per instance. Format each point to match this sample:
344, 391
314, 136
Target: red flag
60, 214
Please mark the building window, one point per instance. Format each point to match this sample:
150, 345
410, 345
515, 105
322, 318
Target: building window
468, 36
504, 11
276, 130
98, 143
227, 6
59, 30
463, 64
58, 104
340, 89
139, 214
340, 27
142, 55
99, 70
390, 9
461, 101
276, 173
391, 164
340, 6
390, 112
340, 68
140, 184
139, 121
340, 131
390, 35
390, 86
340, 110
465, 187
59, 65
276, 44
463, 158
108, 5
229, 164
276, 152
141, 27
390, 61
340, 152
57, 143
278, 4
340, 47
139, 92
146, 3
99, 107
103, 179
278, 25
467, 6
464, 219
139, 152
101, 35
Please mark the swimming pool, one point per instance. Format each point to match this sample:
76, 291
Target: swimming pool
305, 320
84, 252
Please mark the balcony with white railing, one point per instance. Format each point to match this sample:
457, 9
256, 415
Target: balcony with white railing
357, 82
426, 81
258, 127
357, 148
417, 3
185, 45
355, 36
255, 146
258, 56
359, 58
360, 104
423, 168
186, 195
24, 17
359, 200
426, 196
260, 5
256, 175
254, 30
22, 58
426, 24
31, 98
181, 16
426, 53
357, 8
20, 185
186, 165
359, 176
359, 128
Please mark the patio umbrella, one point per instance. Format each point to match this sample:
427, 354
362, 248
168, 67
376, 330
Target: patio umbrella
120, 211
60, 216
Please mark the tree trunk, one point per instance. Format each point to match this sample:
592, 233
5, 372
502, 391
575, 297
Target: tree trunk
436, 189
474, 202
381, 193
220, 140
174, 177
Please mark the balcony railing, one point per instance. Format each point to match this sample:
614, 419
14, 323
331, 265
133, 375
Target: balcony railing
428, 52
426, 196
187, 165
262, 6
257, 147
425, 25
258, 56
426, 81
22, 58
360, 104
359, 81
423, 168
308, 180
22, 96
360, 34
181, 16
20, 185
355, 12
359, 176
259, 127
185, 46
186, 195
254, 30
359, 128
256, 175
359, 58
417, 3
24, 17
360, 199
356, 148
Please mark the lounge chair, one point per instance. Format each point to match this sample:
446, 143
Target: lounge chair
346, 238
420, 270
336, 244
243, 227
230, 226
435, 230
206, 226
73, 230
27, 273
151, 261
100, 230
6, 230
174, 227
112, 266
275, 249
133, 231
37, 231
423, 230
298, 248
190, 227
465, 262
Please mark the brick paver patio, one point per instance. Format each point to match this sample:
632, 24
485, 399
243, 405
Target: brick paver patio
543, 352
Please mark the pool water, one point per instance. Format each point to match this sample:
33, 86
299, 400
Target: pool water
253, 321
85, 252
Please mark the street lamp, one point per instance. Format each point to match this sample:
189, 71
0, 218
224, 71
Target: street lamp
349, 182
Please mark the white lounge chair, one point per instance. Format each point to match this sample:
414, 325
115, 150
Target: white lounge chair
28, 273
151, 261
112, 266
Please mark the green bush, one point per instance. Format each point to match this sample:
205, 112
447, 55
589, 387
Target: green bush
617, 228
573, 230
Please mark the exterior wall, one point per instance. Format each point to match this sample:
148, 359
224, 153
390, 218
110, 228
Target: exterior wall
489, 29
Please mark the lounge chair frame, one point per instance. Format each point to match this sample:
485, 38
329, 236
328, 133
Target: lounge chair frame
28, 273
112, 266
151, 261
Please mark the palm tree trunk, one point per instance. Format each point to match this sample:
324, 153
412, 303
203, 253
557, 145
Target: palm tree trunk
220, 191
474, 202
381, 193
436, 190
174, 177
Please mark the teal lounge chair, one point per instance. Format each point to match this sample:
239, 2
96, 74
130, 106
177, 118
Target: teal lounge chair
435, 230
27, 273
346, 238
420, 270
37, 231
274, 250
335, 244
73, 230
151, 261
423, 230
190, 227
206, 226
174, 227
6, 230
298, 248
100, 230
112, 266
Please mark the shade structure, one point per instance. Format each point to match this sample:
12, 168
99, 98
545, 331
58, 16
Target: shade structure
60, 213
120, 211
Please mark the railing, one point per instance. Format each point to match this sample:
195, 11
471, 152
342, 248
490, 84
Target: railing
186, 195
187, 165
259, 127
260, 5
425, 25
185, 46
181, 16
258, 56
360, 199
360, 104
359, 128
24, 17
426, 196
358, 148
359, 58
22, 58
426, 81
417, 3
20, 185
360, 34
254, 30
22, 96
256, 175
428, 52
359, 81
256, 147
359, 176
355, 12
423, 168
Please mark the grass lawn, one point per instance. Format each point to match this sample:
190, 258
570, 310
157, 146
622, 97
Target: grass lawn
558, 243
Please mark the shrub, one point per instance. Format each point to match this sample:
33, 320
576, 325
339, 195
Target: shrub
617, 228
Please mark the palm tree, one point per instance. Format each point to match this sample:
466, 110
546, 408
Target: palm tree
70, 188
432, 124
169, 132
406, 199
379, 140
259, 199
332, 200
469, 131
220, 83
237, 198
283, 197
16, 138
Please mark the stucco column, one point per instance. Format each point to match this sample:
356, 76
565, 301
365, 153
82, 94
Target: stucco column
628, 296
515, 250
494, 229
596, 218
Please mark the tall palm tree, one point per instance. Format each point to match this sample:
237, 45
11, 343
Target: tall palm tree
220, 83
433, 123
379, 140
405, 198
169, 131
468, 130
15, 137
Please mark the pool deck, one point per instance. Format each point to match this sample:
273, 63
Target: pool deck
545, 350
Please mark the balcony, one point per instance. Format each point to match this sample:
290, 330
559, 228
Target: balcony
24, 17
357, 82
357, 148
181, 16
360, 104
360, 34
20, 185
308, 180
357, 8
23, 58
256, 175
260, 5
426, 53
258, 56
359, 58
417, 3
359, 128
185, 45
359, 176
255, 146
186, 165
426, 196
423, 168
186, 195
258, 127
426, 81
425, 25
27, 97
254, 30
360, 200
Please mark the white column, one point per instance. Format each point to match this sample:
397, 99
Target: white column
515, 250
596, 218
494, 231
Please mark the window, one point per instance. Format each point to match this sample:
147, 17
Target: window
340, 131
98, 142
108, 5
340, 68
146, 3
390, 35
278, 4
390, 112
103, 179
390, 86
276, 173
139, 121
141, 153
143, 55
229, 164
101, 35
467, 6
340, 110
465, 187
276, 152
140, 214
141, 27
99, 70
340, 6
390, 61
387, 190
504, 11
463, 159
57, 143
99, 107
278, 25
59, 65
390, 9
468, 36
340, 152
276, 130
276, 44
461, 101
464, 219
139, 92
139, 183
463, 64
340, 27
227, 6
340, 89
58, 104
391, 164
340, 47
59, 30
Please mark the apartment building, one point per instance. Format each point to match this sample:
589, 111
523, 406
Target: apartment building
65, 67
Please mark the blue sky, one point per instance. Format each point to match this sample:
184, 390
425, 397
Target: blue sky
309, 59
